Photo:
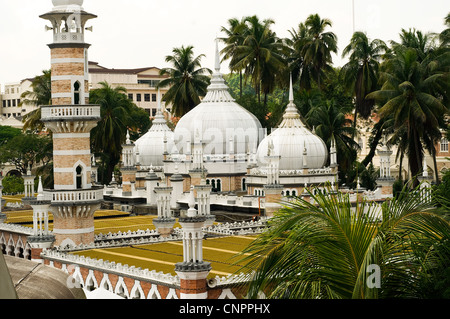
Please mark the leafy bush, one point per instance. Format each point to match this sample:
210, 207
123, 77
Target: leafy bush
13, 185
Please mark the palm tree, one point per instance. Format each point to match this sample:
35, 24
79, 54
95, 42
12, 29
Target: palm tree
299, 70
260, 55
187, 80
318, 46
330, 122
360, 74
110, 133
235, 35
406, 96
331, 250
41, 94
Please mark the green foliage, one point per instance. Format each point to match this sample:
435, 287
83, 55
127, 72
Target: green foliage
118, 115
13, 184
26, 149
441, 192
187, 80
324, 250
7, 133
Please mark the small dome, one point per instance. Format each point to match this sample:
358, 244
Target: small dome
291, 140
217, 120
151, 145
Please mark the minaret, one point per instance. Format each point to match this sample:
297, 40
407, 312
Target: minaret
165, 221
41, 238
71, 118
192, 271
128, 168
385, 180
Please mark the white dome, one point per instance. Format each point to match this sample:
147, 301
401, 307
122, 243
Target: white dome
151, 145
290, 140
216, 120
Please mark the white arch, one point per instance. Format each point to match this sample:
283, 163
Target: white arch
227, 294
172, 294
137, 292
91, 279
154, 293
121, 288
106, 283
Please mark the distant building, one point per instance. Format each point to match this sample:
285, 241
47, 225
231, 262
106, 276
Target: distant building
10, 101
140, 84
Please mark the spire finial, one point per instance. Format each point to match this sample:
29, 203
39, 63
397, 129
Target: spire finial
128, 137
291, 90
40, 190
217, 65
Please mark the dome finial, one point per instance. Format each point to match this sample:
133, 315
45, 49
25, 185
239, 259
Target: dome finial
291, 90
217, 65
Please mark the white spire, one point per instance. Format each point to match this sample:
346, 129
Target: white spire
192, 212
291, 90
217, 65
40, 190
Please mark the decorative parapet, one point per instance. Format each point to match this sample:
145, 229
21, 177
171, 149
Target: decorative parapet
239, 228
73, 196
70, 112
125, 239
14, 228
293, 172
111, 267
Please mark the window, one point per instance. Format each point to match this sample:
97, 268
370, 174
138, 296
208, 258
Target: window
153, 112
14, 102
147, 97
444, 145
4, 103
79, 178
76, 93
138, 97
153, 97
130, 96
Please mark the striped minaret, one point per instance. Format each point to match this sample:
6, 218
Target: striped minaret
71, 118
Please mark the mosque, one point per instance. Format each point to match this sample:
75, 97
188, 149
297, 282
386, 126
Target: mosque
218, 158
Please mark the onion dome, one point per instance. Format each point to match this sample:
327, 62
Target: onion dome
151, 145
296, 145
217, 120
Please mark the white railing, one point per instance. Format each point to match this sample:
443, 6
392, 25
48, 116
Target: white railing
84, 195
70, 111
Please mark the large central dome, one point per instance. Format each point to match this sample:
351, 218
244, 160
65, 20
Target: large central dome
219, 122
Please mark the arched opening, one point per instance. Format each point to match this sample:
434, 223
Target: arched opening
76, 93
244, 184
79, 177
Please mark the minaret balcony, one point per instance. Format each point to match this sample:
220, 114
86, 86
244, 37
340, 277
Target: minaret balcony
70, 112
76, 196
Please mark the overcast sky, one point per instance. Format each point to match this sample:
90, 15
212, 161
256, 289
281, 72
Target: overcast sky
140, 33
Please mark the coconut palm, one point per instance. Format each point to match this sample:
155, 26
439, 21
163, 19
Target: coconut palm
360, 74
319, 46
406, 96
235, 35
187, 80
110, 133
330, 122
330, 249
260, 55
41, 94
299, 70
